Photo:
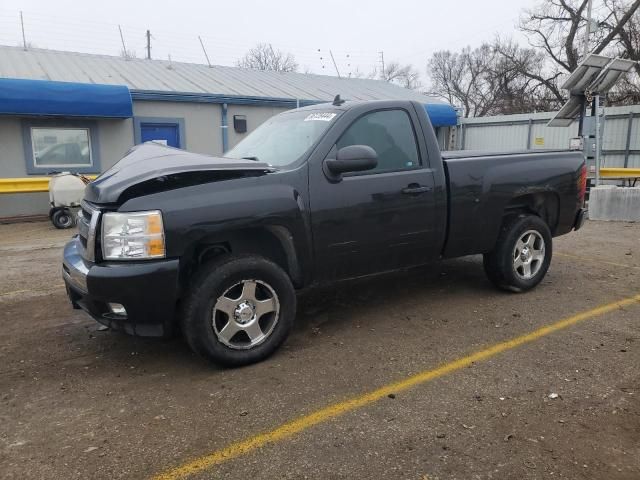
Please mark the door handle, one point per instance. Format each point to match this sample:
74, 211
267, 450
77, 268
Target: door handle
415, 189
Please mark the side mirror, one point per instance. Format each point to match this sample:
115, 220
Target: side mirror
354, 158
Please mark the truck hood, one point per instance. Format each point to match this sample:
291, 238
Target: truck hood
152, 167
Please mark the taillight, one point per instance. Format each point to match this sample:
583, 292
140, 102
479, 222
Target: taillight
582, 184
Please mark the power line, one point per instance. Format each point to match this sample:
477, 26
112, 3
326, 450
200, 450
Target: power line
99, 38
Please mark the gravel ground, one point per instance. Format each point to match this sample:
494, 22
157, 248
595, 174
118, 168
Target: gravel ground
76, 402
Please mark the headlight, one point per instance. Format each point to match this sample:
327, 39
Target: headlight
132, 236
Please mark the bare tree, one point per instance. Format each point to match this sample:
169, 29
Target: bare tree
452, 79
264, 57
553, 26
557, 27
488, 80
404, 75
503, 77
626, 45
127, 54
530, 65
371, 75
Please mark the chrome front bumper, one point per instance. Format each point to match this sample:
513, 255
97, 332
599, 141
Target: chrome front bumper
74, 267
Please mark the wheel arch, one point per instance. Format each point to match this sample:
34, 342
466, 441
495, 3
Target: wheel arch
273, 242
545, 204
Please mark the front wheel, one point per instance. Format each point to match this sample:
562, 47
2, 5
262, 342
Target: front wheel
239, 310
522, 254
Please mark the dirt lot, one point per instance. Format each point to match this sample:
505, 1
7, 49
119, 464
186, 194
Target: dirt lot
76, 402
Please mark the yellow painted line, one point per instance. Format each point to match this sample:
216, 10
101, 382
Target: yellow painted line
28, 184
325, 414
595, 260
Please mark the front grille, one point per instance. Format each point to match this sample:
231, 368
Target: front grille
88, 218
84, 222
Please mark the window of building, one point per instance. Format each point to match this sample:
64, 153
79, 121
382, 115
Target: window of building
56, 145
390, 134
61, 147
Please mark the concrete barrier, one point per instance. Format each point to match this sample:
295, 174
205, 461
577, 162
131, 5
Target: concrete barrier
611, 203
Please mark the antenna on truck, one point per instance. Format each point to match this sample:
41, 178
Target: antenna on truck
337, 100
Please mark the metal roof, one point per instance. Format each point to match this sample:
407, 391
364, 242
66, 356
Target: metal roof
164, 76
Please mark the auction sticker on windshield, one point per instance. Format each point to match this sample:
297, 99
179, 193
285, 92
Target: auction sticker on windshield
320, 117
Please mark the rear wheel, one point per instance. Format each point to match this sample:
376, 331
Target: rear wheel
239, 310
522, 254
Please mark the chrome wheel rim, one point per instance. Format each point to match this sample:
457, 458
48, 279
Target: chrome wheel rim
528, 255
245, 315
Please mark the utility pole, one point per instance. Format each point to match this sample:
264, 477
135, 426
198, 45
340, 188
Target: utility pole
24, 39
334, 63
588, 30
148, 45
382, 61
125, 53
205, 51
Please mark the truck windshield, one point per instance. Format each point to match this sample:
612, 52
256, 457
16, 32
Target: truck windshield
283, 139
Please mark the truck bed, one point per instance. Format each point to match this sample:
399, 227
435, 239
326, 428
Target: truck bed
482, 184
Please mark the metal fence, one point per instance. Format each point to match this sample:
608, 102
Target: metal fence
621, 135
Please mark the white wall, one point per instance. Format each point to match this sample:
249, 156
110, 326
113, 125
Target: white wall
115, 138
11, 148
201, 122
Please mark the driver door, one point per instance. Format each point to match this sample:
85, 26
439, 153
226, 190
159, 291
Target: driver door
381, 219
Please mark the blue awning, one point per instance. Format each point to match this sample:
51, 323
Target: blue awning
64, 99
441, 114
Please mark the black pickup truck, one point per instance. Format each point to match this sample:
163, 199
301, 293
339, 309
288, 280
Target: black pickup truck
218, 247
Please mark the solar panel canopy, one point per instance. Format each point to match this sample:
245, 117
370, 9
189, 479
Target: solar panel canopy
595, 75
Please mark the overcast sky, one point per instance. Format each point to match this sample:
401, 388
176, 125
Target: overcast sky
407, 31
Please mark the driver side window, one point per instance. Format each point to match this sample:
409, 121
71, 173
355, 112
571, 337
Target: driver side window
390, 134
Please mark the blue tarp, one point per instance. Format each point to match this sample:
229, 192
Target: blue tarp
441, 114
64, 99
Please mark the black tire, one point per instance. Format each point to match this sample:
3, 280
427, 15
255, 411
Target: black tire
63, 218
208, 286
499, 263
